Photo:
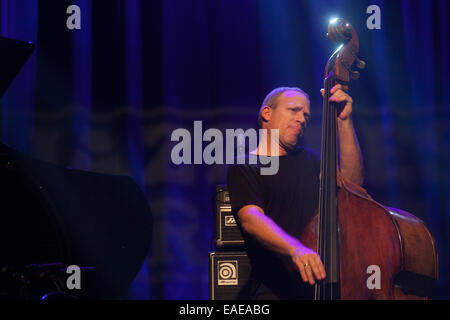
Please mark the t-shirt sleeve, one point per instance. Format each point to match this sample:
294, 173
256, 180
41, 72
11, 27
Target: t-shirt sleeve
244, 187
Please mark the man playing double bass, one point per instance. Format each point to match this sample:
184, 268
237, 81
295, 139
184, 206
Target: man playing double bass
273, 210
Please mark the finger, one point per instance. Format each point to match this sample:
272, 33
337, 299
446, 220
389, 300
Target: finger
345, 113
340, 97
338, 87
309, 274
322, 91
301, 268
315, 267
305, 272
339, 93
321, 268
308, 264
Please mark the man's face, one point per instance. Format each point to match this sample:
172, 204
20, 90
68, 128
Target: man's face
290, 117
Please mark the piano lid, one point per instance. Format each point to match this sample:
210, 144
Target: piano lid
98, 220
13, 56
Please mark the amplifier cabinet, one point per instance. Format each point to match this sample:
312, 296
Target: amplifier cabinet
228, 235
229, 273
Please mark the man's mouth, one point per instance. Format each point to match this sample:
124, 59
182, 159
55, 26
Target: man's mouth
297, 130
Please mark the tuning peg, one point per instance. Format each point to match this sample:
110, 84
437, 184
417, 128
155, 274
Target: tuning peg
360, 64
354, 74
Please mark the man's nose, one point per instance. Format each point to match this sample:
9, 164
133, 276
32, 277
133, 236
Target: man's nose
300, 117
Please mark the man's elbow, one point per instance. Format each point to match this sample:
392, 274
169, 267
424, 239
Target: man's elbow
247, 216
354, 177
359, 176
359, 181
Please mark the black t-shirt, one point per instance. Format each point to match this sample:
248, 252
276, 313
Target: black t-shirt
289, 198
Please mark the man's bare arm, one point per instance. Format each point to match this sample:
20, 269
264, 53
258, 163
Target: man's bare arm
350, 158
270, 235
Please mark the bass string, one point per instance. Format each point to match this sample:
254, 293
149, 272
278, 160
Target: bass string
328, 152
323, 172
320, 249
332, 175
329, 158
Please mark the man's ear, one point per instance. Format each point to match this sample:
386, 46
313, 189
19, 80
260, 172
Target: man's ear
266, 113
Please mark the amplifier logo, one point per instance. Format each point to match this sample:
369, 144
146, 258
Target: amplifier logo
230, 221
228, 273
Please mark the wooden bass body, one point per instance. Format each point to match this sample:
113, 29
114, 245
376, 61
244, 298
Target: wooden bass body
379, 241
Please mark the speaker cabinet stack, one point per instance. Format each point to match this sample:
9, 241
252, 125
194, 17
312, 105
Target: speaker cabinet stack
229, 265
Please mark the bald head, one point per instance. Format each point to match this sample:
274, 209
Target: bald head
271, 100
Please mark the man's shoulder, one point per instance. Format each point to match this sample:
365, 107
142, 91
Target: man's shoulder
305, 152
311, 153
242, 163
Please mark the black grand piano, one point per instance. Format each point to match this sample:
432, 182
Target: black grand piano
52, 217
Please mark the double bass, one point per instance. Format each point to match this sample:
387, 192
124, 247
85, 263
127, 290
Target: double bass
369, 251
